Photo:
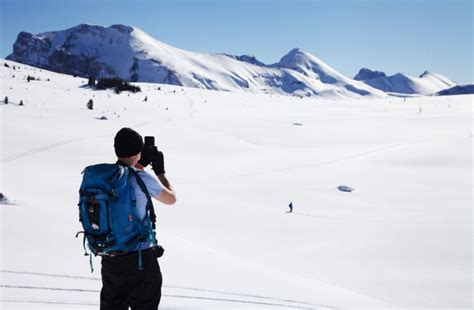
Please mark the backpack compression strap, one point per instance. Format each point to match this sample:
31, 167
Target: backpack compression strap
149, 204
141, 184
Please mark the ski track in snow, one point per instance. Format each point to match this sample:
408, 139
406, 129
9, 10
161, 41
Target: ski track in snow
72, 303
268, 301
37, 150
192, 110
325, 162
380, 220
164, 295
55, 145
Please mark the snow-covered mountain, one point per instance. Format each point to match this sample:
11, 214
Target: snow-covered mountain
131, 54
367, 74
427, 83
466, 89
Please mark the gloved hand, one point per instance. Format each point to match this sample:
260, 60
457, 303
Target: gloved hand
145, 157
157, 160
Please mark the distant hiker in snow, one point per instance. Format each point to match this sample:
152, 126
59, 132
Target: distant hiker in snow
291, 207
131, 275
146, 99
21, 103
90, 104
5, 100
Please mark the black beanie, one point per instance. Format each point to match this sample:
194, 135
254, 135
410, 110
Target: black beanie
128, 143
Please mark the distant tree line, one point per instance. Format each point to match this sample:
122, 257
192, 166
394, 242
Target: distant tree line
117, 84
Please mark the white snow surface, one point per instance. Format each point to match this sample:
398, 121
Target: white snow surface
401, 240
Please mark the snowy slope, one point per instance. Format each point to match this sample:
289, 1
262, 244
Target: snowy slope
315, 69
131, 54
401, 240
466, 89
427, 83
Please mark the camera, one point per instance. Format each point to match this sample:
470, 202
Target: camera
148, 146
149, 142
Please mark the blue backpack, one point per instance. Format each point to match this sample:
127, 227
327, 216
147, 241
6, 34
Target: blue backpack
107, 211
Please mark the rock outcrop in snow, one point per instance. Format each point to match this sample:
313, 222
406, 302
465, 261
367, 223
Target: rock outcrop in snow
131, 54
367, 74
246, 58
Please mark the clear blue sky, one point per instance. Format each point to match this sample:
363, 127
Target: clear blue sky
407, 36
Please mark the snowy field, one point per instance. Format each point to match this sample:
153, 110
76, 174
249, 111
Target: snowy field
401, 240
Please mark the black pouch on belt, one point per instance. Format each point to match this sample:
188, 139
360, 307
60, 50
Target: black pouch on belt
158, 250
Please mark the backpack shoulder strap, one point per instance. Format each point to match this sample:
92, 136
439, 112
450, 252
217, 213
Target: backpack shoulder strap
144, 189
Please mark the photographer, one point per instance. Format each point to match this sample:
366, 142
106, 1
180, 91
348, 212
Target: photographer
123, 284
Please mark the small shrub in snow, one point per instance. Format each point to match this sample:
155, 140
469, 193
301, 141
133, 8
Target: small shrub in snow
117, 84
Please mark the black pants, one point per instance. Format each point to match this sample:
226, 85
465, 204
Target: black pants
123, 285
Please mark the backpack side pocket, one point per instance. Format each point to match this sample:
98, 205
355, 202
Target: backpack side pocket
94, 212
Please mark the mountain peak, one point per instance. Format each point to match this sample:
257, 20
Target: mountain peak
299, 60
437, 78
88, 28
84, 28
294, 57
123, 28
425, 73
296, 50
367, 74
131, 54
310, 66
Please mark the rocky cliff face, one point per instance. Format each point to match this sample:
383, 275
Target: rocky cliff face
80, 50
367, 74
